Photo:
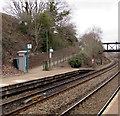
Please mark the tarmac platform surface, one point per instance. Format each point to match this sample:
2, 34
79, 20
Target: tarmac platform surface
33, 74
113, 107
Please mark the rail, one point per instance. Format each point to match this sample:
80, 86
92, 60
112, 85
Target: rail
57, 60
61, 91
108, 102
86, 97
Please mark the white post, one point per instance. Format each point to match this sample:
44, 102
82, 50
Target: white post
50, 55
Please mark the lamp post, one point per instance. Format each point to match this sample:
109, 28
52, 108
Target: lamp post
28, 46
46, 68
50, 57
48, 62
47, 42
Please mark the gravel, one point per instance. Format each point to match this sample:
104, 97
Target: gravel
59, 103
93, 104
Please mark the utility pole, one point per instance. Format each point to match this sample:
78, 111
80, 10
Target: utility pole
47, 53
28, 46
26, 58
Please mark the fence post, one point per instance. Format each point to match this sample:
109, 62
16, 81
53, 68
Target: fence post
43, 65
63, 59
57, 60
66, 58
54, 62
60, 60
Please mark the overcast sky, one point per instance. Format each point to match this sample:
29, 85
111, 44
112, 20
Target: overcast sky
99, 13
89, 13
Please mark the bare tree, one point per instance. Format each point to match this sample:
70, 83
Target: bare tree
91, 42
27, 7
96, 32
27, 12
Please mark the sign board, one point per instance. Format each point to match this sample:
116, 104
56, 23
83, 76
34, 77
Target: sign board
93, 61
51, 50
29, 46
21, 55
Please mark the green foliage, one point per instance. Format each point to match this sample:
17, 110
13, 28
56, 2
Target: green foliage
91, 43
62, 15
52, 7
58, 43
23, 28
86, 59
45, 20
56, 12
42, 16
82, 59
68, 34
43, 46
55, 42
75, 62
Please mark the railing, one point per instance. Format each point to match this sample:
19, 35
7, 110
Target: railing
57, 60
112, 47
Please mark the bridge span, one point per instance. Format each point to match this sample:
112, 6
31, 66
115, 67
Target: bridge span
112, 47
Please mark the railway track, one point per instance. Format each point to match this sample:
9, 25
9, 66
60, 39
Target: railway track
40, 93
19, 88
108, 102
30, 100
68, 111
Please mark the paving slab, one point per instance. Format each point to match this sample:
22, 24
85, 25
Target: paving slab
113, 107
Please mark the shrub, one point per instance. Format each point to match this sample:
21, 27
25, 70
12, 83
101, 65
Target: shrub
75, 62
86, 59
82, 59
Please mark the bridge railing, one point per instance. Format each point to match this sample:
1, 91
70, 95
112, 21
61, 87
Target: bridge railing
112, 47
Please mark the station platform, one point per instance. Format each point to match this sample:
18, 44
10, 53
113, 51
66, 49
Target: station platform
37, 73
33, 74
113, 108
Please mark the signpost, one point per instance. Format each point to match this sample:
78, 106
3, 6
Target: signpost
50, 55
28, 46
93, 61
50, 51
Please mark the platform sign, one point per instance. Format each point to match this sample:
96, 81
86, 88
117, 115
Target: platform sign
93, 61
29, 46
51, 50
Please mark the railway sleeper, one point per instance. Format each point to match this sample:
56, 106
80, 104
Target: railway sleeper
46, 80
33, 99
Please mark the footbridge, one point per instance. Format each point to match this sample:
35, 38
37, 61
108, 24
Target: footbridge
112, 47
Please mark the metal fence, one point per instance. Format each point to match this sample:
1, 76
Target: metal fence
57, 60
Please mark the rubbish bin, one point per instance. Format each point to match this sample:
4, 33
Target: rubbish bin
16, 63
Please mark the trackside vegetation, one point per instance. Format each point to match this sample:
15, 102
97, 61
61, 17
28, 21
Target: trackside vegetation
91, 48
44, 19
